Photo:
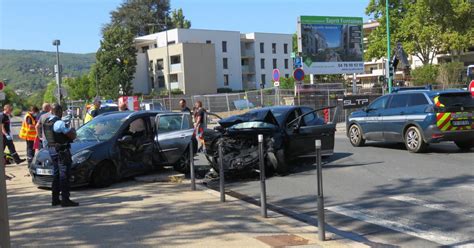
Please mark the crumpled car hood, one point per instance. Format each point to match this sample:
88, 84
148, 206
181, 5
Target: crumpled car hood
263, 116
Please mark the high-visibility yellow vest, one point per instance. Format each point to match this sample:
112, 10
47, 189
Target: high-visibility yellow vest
89, 116
28, 131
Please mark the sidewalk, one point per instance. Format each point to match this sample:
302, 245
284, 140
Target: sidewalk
140, 214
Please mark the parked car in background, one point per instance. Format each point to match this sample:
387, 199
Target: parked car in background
116, 145
289, 133
416, 117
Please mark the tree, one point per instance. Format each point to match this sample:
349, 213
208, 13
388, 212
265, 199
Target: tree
116, 62
451, 73
178, 20
144, 17
426, 74
80, 88
424, 27
49, 93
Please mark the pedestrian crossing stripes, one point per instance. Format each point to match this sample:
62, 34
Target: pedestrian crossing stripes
405, 225
437, 206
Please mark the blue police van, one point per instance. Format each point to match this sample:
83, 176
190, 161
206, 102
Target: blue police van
416, 117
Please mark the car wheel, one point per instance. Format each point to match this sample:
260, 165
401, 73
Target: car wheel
355, 136
465, 145
104, 175
414, 141
183, 164
282, 167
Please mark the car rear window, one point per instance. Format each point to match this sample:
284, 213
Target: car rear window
462, 99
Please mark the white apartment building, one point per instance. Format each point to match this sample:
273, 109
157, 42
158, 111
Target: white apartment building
238, 61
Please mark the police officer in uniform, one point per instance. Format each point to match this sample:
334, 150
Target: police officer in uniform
59, 138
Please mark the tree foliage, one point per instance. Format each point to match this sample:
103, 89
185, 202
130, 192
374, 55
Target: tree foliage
425, 28
116, 62
426, 74
451, 73
81, 88
144, 17
49, 93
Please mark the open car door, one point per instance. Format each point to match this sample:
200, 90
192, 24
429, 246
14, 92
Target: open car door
174, 132
306, 129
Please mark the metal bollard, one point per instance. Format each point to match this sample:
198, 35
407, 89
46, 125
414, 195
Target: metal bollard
191, 165
221, 173
263, 189
321, 223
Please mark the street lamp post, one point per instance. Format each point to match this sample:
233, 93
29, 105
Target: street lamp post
57, 69
388, 47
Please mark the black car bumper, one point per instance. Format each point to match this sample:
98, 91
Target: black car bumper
434, 135
80, 176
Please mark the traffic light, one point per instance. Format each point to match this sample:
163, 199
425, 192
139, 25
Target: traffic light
381, 79
262, 85
391, 70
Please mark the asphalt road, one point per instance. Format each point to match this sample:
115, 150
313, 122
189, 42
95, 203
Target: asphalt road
381, 194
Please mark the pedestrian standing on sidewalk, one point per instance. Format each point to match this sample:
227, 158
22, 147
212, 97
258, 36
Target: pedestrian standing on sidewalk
184, 108
28, 132
199, 123
42, 116
7, 136
39, 125
59, 138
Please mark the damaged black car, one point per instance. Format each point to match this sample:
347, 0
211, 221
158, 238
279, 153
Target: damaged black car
289, 134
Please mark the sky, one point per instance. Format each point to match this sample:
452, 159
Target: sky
34, 24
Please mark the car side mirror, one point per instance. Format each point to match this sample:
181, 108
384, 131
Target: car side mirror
125, 139
367, 109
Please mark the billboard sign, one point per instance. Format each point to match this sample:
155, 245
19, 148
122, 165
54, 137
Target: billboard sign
331, 45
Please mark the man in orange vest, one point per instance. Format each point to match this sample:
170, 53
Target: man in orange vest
28, 132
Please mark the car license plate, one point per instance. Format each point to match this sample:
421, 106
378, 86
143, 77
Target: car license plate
461, 123
45, 172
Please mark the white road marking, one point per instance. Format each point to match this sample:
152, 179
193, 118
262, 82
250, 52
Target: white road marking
437, 206
439, 237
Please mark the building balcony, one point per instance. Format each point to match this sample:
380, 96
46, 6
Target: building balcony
247, 53
246, 69
175, 68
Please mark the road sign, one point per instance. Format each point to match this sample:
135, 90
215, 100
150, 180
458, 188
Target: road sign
298, 74
2, 96
471, 87
276, 75
2, 85
297, 62
276, 83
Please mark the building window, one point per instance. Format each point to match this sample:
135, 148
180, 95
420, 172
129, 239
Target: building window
287, 75
285, 48
150, 65
152, 79
262, 47
224, 63
274, 48
171, 42
155, 45
286, 63
161, 81
224, 46
159, 64
173, 78
208, 42
144, 49
275, 63
263, 79
226, 80
175, 59
262, 63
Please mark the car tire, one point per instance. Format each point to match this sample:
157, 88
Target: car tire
414, 140
355, 136
464, 145
282, 168
103, 175
183, 164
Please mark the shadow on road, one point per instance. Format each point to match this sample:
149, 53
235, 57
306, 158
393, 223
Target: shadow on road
432, 148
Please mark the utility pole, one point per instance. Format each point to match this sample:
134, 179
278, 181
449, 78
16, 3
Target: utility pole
58, 69
388, 47
4, 223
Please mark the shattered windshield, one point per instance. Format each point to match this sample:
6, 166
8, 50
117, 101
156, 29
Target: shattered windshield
253, 124
99, 129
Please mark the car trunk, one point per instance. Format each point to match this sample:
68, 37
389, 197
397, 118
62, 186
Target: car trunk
454, 111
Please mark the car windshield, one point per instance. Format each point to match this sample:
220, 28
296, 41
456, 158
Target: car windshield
253, 124
279, 115
457, 100
99, 129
